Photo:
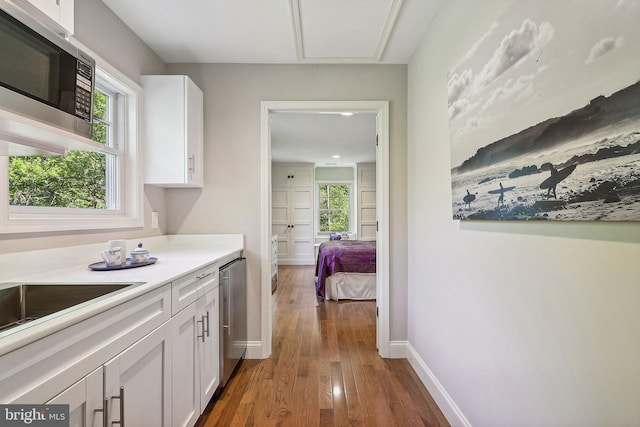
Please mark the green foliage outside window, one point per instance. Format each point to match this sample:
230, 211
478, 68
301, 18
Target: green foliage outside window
77, 180
334, 207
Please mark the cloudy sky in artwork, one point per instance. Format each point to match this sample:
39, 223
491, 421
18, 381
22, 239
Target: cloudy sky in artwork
542, 59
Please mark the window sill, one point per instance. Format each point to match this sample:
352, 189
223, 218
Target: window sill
25, 223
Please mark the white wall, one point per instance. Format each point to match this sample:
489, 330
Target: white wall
104, 33
97, 27
522, 324
230, 200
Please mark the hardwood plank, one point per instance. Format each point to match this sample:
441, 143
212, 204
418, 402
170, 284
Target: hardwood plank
324, 370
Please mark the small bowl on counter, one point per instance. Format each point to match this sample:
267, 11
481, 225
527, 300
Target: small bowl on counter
139, 255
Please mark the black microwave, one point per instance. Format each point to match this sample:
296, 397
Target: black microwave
44, 77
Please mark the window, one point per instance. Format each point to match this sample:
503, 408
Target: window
83, 190
334, 207
80, 179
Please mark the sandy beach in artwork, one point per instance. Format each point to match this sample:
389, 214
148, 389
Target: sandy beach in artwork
605, 184
544, 114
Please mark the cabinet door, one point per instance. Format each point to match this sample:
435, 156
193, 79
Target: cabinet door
173, 126
301, 241
194, 120
58, 15
302, 176
140, 378
51, 8
209, 347
85, 401
280, 175
185, 329
280, 221
292, 208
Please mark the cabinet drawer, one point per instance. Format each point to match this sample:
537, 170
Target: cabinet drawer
190, 287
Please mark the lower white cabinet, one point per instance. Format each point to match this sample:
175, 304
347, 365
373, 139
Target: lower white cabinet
85, 401
194, 332
132, 365
132, 389
137, 383
210, 349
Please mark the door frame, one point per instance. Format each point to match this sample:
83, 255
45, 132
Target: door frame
381, 109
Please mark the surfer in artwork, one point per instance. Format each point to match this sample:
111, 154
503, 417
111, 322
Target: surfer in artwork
501, 192
556, 176
468, 199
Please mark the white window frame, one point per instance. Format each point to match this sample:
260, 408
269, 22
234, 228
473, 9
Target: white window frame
351, 204
128, 212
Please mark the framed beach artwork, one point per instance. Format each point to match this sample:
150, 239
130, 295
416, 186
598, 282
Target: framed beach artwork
544, 115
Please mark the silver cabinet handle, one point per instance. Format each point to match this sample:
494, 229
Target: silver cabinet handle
207, 316
202, 276
201, 321
228, 325
105, 411
121, 398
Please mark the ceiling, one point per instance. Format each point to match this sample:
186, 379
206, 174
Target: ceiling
288, 32
317, 138
282, 31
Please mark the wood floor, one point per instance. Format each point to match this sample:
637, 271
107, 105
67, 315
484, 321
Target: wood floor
324, 370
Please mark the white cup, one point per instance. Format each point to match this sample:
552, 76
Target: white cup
112, 257
122, 244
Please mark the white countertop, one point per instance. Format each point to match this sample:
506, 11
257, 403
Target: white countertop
177, 255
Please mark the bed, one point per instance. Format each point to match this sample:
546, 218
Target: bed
346, 269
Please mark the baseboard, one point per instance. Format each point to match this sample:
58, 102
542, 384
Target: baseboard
398, 349
446, 404
254, 350
309, 261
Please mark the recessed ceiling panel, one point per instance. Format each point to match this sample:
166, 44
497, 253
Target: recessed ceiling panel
208, 31
284, 31
342, 28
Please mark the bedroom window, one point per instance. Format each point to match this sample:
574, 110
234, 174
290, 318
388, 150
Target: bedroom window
82, 190
334, 207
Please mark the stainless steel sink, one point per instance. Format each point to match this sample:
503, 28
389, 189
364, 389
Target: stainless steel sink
23, 303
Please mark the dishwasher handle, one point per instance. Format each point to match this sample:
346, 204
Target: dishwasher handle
226, 284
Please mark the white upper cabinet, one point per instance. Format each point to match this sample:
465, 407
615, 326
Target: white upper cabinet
55, 14
173, 129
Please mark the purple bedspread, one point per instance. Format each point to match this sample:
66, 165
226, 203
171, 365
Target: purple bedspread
348, 256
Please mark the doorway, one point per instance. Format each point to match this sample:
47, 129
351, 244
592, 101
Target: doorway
381, 110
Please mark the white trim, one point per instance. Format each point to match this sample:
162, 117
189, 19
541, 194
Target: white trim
310, 261
382, 245
445, 402
265, 230
398, 349
387, 30
389, 25
294, 9
254, 350
381, 108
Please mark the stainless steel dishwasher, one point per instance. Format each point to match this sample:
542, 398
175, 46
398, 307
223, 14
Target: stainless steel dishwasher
233, 317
